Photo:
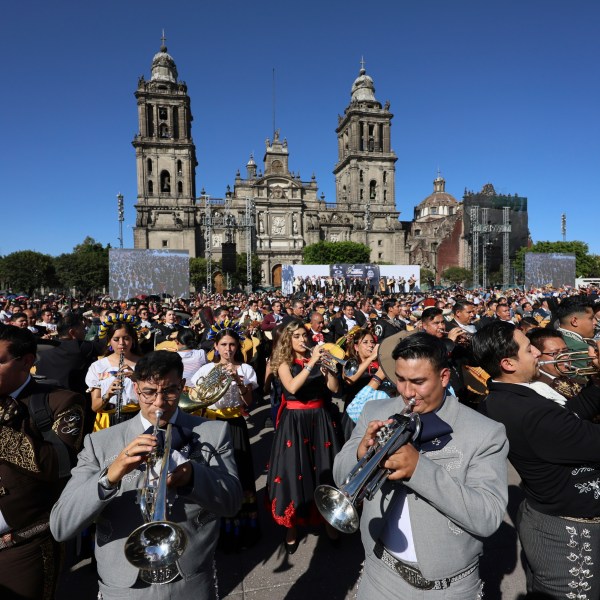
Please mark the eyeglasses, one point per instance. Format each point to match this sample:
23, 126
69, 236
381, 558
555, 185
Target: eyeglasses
168, 394
556, 352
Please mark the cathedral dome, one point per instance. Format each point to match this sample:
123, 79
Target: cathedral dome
163, 67
363, 88
438, 204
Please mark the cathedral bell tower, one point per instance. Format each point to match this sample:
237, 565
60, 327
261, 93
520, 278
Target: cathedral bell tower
165, 160
365, 171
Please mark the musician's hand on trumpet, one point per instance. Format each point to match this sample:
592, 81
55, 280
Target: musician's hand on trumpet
131, 457
370, 438
403, 462
456, 334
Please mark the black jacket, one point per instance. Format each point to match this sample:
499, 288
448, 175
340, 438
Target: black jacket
555, 449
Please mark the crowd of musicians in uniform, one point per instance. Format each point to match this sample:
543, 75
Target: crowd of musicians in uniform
94, 392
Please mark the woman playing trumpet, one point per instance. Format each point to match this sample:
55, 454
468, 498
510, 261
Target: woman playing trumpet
305, 442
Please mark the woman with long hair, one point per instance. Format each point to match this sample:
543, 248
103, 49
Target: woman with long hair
243, 529
118, 362
363, 349
305, 442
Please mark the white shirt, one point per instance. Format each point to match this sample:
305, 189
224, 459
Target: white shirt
397, 534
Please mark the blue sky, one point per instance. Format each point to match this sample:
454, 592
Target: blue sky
501, 91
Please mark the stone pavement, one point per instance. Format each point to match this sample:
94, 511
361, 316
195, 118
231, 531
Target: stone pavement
317, 568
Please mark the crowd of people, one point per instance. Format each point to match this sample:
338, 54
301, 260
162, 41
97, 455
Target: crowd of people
111, 406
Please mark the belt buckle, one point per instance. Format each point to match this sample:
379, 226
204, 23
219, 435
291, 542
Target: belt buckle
413, 577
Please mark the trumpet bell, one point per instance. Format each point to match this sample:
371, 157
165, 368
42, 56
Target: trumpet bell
337, 509
350, 367
154, 548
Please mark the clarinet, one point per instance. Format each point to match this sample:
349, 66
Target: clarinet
120, 378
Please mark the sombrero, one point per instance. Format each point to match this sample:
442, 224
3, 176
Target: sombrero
384, 356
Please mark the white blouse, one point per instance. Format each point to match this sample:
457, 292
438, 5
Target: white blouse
192, 361
101, 374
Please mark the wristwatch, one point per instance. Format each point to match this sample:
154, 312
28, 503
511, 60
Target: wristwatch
104, 482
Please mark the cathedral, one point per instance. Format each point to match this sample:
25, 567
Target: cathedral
271, 211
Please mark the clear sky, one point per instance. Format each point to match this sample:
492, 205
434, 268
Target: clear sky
500, 91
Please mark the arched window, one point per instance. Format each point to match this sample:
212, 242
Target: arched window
150, 186
165, 182
179, 187
149, 165
179, 167
372, 189
360, 176
384, 177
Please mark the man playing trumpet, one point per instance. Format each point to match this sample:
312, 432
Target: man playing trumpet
422, 531
104, 486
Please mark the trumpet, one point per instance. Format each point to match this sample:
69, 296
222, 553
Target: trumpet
564, 364
330, 360
339, 506
155, 547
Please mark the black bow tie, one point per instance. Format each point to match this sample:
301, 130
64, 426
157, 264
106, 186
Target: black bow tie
435, 433
180, 436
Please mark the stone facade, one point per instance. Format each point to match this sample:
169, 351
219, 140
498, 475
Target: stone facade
287, 212
274, 212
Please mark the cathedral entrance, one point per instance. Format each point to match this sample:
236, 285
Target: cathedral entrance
276, 276
218, 283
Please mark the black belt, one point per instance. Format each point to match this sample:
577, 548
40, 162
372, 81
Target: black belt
20, 536
413, 576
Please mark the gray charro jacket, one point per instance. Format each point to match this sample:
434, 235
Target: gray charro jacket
457, 495
216, 492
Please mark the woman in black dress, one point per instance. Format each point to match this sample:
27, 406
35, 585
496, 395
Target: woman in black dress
305, 442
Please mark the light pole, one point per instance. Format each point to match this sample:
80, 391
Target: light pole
121, 209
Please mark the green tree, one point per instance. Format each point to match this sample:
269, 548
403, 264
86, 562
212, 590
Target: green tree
586, 264
328, 253
427, 278
239, 278
198, 271
456, 275
27, 271
85, 269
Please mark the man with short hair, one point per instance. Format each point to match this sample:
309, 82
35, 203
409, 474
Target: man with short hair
20, 320
169, 328
273, 318
464, 316
203, 486
34, 464
315, 333
390, 324
554, 446
577, 323
551, 345
447, 489
340, 326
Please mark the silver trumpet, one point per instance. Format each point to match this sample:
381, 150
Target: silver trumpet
330, 361
156, 546
339, 506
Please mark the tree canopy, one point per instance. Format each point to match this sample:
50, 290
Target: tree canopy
26, 271
328, 253
85, 269
457, 275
